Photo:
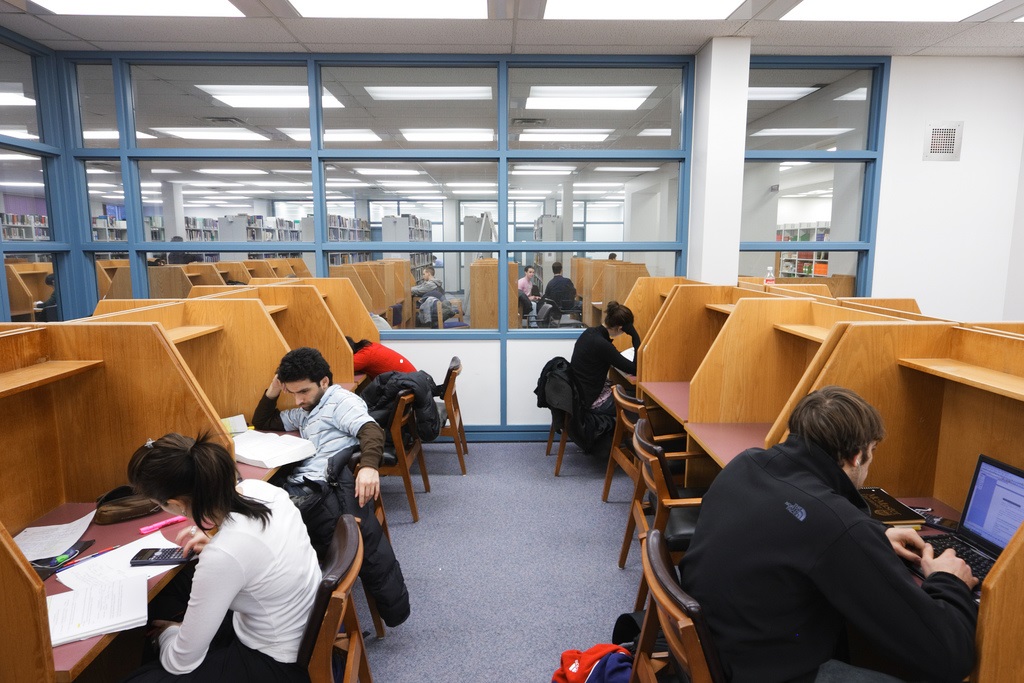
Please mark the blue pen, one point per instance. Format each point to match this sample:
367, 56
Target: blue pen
74, 563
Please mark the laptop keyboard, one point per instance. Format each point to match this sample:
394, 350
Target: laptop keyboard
979, 564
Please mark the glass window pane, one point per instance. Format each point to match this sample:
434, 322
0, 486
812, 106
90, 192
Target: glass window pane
96, 104
808, 109
19, 111
612, 200
174, 280
425, 289
31, 289
106, 201
594, 108
429, 190
221, 106
23, 215
227, 200
804, 266
113, 275
410, 107
801, 201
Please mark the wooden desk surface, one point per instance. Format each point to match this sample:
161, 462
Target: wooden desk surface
674, 397
624, 376
723, 441
70, 659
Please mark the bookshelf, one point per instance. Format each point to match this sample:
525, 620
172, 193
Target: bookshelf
201, 229
805, 262
409, 228
107, 229
255, 228
18, 227
154, 228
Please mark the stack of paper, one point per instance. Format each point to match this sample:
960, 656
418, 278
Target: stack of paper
94, 611
271, 450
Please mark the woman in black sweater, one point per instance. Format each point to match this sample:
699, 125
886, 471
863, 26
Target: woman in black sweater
594, 354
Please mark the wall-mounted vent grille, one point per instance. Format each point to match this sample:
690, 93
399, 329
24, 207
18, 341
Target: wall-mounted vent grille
942, 141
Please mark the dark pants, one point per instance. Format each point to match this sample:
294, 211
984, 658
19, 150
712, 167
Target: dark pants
227, 661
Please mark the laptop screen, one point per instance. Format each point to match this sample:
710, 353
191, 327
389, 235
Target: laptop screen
995, 505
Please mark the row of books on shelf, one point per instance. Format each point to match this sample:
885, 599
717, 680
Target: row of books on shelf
32, 233
803, 232
406, 228
340, 259
22, 219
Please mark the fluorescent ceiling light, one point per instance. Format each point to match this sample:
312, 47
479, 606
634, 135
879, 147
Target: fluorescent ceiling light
350, 135
575, 191
778, 94
165, 171
448, 134
543, 167
211, 133
13, 95
208, 183
628, 169
471, 184
103, 185
429, 92
425, 198
196, 206
231, 171
597, 184
808, 132
386, 171
134, 8
242, 192
275, 183
794, 163
114, 196
345, 183
112, 135
392, 9
565, 135
149, 192
98, 171
474, 192
236, 206
538, 172
526, 199
152, 201
856, 95
13, 183
267, 96
606, 97
655, 133
886, 10
291, 170
406, 183
529, 192
645, 10
17, 157
19, 133
154, 184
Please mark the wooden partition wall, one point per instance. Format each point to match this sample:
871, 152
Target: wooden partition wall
106, 271
99, 393
231, 346
348, 272
341, 295
483, 294
26, 285
645, 299
947, 394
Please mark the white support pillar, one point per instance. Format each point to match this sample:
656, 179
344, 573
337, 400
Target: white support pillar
716, 171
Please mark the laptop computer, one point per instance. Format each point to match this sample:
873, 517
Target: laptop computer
992, 513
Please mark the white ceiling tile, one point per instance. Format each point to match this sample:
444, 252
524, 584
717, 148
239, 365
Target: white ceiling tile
436, 33
605, 49
946, 51
195, 46
33, 27
1007, 35
846, 34
168, 29
460, 48
639, 34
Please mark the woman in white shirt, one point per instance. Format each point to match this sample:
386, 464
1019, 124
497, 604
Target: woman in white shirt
255, 565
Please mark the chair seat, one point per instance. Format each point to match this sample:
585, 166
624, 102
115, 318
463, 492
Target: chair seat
389, 459
682, 522
453, 323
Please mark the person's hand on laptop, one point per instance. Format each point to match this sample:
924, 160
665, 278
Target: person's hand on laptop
946, 562
907, 543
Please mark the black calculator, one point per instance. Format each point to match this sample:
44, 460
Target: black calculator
150, 556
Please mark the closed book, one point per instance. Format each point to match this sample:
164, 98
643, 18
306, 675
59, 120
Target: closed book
269, 450
888, 510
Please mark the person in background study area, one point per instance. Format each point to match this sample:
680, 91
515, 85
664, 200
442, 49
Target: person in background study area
375, 359
250, 593
786, 559
527, 283
338, 424
561, 290
613, 256
594, 354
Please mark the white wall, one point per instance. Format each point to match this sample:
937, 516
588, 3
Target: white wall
946, 229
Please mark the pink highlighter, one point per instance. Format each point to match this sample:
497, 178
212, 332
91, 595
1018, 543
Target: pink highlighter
160, 525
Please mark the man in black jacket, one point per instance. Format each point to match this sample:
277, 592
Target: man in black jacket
785, 556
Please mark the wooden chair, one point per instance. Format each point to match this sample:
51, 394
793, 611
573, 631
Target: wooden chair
675, 510
627, 412
333, 610
564, 429
453, 426
678, 616
404, 421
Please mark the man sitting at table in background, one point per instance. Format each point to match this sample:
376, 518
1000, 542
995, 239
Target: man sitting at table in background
785, 556
323, 486
561, 290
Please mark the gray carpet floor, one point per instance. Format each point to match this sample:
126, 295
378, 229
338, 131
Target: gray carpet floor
507, 567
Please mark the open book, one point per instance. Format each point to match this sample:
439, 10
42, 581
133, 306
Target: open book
267, 450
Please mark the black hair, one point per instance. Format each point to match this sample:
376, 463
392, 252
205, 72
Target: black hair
556, 268
48, 280
839, 421
617, 315
304, 363
198, 470
357, 345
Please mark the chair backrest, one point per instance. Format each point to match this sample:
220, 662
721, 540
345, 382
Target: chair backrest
548, 313
682, 621
403, 420
652, 457
344, 558
454, 368
627, 408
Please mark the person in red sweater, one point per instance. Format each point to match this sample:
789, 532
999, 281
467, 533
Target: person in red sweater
375, 359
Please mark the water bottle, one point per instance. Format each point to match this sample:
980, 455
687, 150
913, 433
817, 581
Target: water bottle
769, 279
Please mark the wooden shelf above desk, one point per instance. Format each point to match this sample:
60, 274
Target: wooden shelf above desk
994, 381
23, 379
276, 308
815, 333
186, 332
721, 308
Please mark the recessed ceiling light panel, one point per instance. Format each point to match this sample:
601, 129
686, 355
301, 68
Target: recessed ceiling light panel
646, 10
429, 92
392, 9
134, 8
886, 10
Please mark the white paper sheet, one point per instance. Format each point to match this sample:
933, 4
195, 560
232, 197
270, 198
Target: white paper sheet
89, 612
115, 565
49, 541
